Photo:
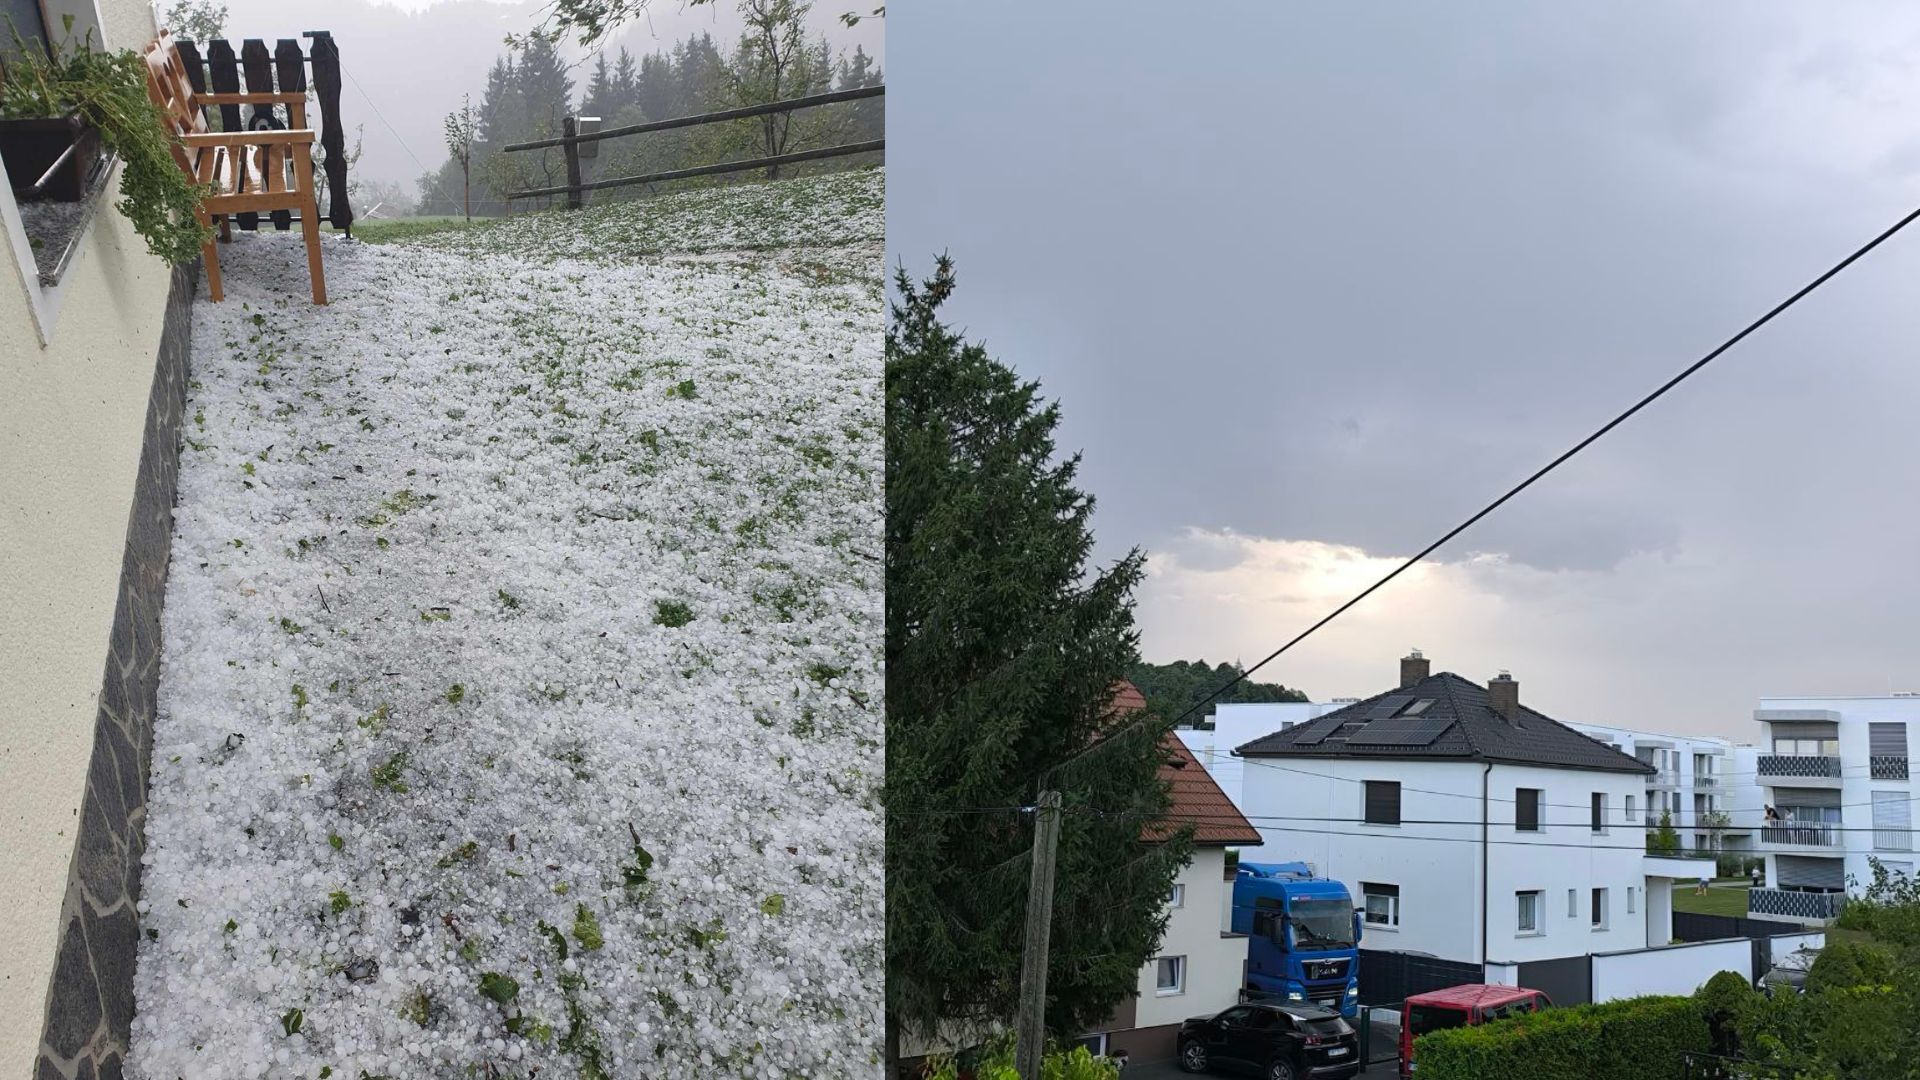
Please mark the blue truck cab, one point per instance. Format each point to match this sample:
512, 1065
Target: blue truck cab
1303, 936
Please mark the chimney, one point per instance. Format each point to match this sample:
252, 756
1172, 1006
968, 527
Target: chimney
1413, 668
1503, 693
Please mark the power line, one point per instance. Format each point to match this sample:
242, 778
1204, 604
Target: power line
383, 120
1523, 485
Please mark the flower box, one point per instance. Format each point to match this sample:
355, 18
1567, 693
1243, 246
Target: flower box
64, 150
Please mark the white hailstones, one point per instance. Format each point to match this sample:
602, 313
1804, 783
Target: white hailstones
360, 800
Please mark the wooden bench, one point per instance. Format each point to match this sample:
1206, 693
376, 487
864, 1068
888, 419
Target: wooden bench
247, 170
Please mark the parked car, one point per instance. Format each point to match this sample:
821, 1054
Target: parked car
1291, 1041
1461, 1006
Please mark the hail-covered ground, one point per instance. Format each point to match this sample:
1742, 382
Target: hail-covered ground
520, 704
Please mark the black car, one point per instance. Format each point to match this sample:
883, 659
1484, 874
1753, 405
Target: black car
1279, 1042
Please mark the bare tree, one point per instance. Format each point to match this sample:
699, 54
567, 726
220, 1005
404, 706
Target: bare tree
460, 127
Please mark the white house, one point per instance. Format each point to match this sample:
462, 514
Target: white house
1467, 825
1836, 773
1704, 782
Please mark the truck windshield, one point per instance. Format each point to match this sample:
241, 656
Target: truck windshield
1322, 924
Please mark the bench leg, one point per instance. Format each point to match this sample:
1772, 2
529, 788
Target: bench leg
210, 254
310, 227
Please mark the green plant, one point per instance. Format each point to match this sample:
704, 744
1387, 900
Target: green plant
995, 1061
108, 90
1632, 1039
1664, 840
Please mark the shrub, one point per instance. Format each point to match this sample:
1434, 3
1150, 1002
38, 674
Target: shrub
995, 1062
1845, 964
1724, 1002
1634, 1039
1664, 840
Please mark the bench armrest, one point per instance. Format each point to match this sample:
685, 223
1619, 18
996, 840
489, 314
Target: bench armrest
248, 138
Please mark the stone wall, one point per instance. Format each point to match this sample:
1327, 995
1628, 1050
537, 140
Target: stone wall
90, 998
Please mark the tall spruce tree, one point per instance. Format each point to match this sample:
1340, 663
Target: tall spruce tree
1003, 650
626, 84
601, 97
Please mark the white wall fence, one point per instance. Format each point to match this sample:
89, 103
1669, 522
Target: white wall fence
1671, 969
1662, 969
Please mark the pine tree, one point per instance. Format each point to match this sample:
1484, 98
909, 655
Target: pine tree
545, 88
656, 90
626, 84
601, 99
1002, 651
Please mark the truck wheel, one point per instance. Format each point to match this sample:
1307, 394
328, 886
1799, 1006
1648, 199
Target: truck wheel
1193, 1058
1281, 1069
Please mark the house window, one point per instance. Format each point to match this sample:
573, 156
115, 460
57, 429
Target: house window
1573, 903
1629, 899
1630, 810
1383, 802
1177, 896
1892, 821
1529, 911
1170, 975
1599, 811
1526, 809
1599, 909
1382, 903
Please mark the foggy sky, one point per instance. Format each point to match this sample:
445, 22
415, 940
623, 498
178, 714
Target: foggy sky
1314, 282
408, 61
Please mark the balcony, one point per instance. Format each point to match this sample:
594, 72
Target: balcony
1812, 835
1791, 904
1887, 767
1799, 770
1705, 781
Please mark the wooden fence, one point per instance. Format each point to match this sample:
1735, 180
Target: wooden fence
571, 138
219, 71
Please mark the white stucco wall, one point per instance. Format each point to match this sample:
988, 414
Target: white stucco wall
1680, 969
72, 414
1435, 855
1194, 930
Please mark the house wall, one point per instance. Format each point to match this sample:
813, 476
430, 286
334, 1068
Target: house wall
1435, 855
1215, 959
89, 452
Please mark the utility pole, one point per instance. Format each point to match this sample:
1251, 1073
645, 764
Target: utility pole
1033, 964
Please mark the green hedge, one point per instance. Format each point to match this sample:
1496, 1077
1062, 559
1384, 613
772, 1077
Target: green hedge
1633, 1039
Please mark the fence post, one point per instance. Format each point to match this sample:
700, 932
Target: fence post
570, 131
326, 85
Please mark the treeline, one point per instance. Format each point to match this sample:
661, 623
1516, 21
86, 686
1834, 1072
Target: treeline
1172, 689
530, 90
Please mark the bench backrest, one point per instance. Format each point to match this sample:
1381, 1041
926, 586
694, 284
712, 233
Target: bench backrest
168, 86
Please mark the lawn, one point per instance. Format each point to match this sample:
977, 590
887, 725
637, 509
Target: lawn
1728, 899
520, 696
391, 230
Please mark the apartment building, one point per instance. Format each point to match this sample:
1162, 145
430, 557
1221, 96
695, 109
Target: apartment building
1468, 826
1836, 780
1704, 783
1241, 723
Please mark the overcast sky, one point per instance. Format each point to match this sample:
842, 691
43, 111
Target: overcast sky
408, 61
1314, 282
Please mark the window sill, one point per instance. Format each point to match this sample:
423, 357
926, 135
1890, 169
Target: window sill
1168, 993
1531, 933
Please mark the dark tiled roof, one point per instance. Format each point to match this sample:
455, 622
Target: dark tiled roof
1197, 801
1467, 727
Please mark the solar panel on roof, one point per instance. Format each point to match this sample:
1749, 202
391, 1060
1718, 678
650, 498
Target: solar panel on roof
1400, 732
1388, 706
1314, 733
1418, 707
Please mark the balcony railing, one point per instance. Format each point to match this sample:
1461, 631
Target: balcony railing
1795, 905
1705, 781
1798, 767
1887, 767
1812, 835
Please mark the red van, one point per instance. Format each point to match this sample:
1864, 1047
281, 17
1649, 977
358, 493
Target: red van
1460, 1006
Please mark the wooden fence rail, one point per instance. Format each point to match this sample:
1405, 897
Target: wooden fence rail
571, 138
219, 71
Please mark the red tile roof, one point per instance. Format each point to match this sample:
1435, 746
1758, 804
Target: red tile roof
1197, 800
